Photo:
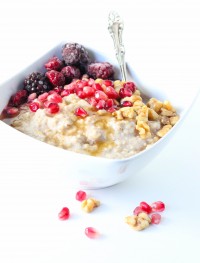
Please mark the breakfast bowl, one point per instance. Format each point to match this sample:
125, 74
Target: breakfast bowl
86, 170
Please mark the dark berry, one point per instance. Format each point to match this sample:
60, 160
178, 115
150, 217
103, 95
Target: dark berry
103, 70
19, 98
56, 78
54, 63
37, 83
71, 72
75, 54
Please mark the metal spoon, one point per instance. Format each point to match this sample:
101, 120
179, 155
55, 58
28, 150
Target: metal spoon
115, 27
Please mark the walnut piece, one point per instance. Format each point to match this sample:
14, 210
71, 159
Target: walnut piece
164, 130
142, 123
89, 204
138, 222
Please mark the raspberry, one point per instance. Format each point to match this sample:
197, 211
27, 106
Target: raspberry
19, 98
37, 83
56, 78
103, 70
54, 63
70, 72
75, 54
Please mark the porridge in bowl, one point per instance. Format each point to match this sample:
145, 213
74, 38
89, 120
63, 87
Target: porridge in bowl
78, 106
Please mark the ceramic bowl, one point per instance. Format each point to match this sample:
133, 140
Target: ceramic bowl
93, 172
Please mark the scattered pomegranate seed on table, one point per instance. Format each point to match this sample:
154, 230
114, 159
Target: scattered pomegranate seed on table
91, 232
81, 195
155, 218
158, 206
64, 213
145, 207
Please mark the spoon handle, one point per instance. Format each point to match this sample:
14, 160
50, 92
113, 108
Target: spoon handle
115, 27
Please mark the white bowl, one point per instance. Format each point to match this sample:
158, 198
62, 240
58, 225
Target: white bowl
93, 172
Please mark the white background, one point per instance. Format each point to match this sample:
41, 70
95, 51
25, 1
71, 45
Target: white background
30, 201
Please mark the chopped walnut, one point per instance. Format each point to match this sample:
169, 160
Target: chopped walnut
173, 120
167, 113
138, 222
165, 120
155, 104
164, 130
142, 123
135, 97
152, 115
167, 105
125, 112
89, 204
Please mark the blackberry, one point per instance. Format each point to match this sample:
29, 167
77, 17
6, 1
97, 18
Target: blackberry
37, 83
75, 54
103, 70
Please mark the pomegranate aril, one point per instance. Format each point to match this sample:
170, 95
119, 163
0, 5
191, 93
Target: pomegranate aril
112, 109
109, 104
81, 112
91, 232
138, 210
55, 98
97, 86
64, 214
52, 108
82, 83
158, 206
80, 93
34, 106
145, 207
91, 82
43, 97
107, 83
31, 97
100, 95
58, 89
66, 92
155, 218
81, 195
127, 103
130, 85
125, 92
111, 92
92, 101
10, 112
100, 104
89, 91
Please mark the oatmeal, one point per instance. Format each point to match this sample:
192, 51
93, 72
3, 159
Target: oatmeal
88, 115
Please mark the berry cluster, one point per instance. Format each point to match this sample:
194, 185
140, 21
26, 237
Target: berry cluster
75, 62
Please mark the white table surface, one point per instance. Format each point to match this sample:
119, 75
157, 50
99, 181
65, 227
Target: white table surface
29, 202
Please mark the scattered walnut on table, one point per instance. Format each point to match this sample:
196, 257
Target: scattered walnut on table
89, 204
138, 222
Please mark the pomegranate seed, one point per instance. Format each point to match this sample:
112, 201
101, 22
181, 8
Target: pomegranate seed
52, 108
145, 207
100, 95
109, 104
158, 206
80, 93
107, 83
138, 210
31, 97
155, 218
66, 92
111, 110
92, 101
34, 106
10, 112
89, 91
81, 112
55, 98
91, 82
91, 232
111, 92
97, 86
71, 87
127, 104
81, 195
43, 97
64, 214
125, 92
130, 85
101, 104
82, 83
46, 103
